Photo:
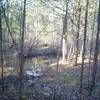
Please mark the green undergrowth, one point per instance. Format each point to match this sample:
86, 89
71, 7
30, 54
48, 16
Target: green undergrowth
67, 79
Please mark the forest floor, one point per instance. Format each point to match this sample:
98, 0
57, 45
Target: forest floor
56, 82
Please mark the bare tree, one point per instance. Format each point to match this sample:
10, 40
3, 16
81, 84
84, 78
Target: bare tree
84, 45
92, 41
22, 48
64, 33
77, 35
96, 51
7, 23
1, 49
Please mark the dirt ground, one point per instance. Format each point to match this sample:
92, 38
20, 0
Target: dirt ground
63, 79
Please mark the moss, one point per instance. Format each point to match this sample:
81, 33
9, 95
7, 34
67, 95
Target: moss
23, 98
69, 79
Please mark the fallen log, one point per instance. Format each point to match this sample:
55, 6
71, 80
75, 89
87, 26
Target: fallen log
43, 53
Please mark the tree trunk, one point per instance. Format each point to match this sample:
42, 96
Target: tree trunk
77, 35
91, 46
1, 49
63, 34
21, 49
63, 50
7, 23
96, 52
84, 44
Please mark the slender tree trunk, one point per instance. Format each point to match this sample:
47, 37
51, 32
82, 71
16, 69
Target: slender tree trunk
70, 53
77, 35
96, 52
63, 34
91, 47
1, 49
58, 55
63, 50
7, 9
21, 49
80, 57
84, 44
7, 23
